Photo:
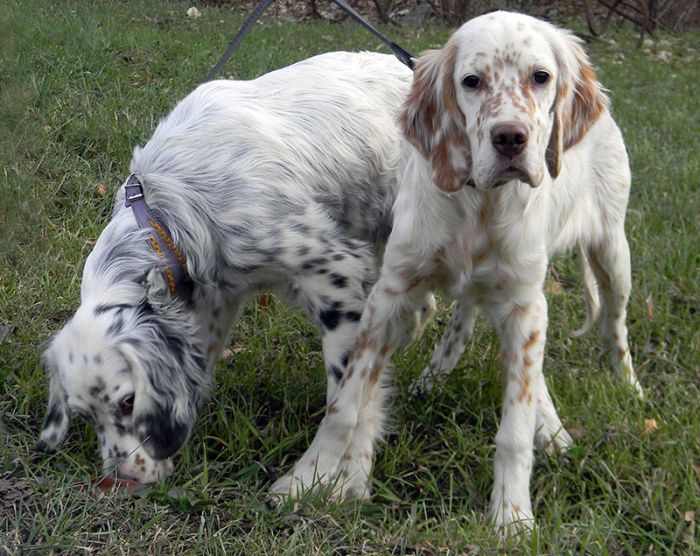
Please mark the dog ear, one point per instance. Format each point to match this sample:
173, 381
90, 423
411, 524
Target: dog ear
57, 420
554, 147
433, 122
170, 377
579, 102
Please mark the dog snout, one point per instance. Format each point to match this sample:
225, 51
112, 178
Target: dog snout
509, 138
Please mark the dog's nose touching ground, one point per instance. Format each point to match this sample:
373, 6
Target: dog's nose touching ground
509, 138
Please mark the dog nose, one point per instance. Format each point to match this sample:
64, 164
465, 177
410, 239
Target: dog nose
509, 138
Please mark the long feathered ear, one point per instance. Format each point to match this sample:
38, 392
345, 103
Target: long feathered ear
432, 121
57, 420
579, 102
169, 374
554, 147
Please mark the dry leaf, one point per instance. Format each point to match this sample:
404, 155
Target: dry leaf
649, 306
106, 484
101, 190
193, 13
650, 425
688, 533
577, 433
553, 286
263, 301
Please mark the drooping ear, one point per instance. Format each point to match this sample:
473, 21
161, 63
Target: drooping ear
170, 378
433, 122
57, 420
554, 147
580, 99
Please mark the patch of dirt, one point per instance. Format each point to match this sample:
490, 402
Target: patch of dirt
14, 493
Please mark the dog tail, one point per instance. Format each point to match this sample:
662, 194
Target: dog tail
590, 287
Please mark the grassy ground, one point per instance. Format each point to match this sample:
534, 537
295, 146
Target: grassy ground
81, 84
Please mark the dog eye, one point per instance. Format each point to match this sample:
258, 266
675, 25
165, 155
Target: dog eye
126, 406
540, 77
471, 81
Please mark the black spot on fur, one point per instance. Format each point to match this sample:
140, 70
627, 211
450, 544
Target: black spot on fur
311, 263
338, 257
54, 416
160, 433
344, 360
303, 250
353, 316
97, 388
121, 428
336, 372
330, 318
338, 281
97, 360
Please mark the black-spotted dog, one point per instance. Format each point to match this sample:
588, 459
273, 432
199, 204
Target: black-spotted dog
284, 182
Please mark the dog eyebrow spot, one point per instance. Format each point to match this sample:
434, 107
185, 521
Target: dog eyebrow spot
100, 309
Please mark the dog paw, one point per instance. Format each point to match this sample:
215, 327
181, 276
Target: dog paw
553, 441
511, 519
287, 486
351, 487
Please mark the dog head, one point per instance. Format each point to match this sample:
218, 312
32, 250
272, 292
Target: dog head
502, 101
129, 361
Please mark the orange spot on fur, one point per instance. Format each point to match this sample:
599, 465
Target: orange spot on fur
524, 387
531, 340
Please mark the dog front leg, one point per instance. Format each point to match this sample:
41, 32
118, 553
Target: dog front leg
522, 331
341, 454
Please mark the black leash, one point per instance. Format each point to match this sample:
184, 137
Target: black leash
402, 55
242, 32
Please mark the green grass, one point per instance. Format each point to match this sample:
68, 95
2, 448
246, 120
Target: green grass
82, 83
